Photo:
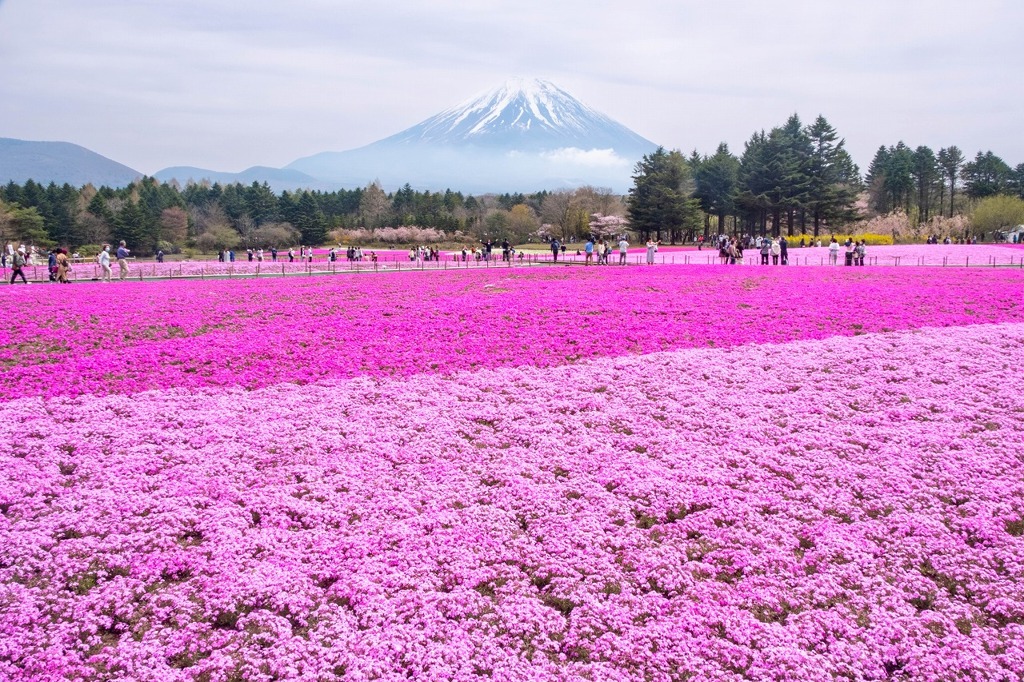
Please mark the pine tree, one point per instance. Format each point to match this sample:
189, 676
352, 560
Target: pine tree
661, 197
950, 160
716, 179
834, 180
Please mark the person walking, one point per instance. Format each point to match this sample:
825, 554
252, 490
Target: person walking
51, 264
18, 261
589, 250
623, 250
63, 266
555, 248
104, 260
652, 248
122, 260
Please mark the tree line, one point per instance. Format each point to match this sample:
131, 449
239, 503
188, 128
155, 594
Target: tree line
154, 215
799, 179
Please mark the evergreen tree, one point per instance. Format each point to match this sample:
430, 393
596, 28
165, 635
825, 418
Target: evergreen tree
129, 226
950, 160
260, 203
834, 180
310, 220
985, 176
660, 199
716, 178
925, 173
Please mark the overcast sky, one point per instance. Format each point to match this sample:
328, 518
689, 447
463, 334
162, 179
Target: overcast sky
226, 84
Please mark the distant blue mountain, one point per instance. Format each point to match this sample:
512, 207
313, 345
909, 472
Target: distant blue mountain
277, 178
60, 162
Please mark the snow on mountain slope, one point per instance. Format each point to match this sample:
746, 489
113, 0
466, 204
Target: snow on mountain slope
524, 115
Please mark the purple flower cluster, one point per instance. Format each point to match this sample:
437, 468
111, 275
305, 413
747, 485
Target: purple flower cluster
660, 474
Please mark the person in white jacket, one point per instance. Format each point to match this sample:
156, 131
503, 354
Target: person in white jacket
104, 260
652, 248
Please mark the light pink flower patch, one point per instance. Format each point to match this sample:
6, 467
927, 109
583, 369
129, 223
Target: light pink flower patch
847, 508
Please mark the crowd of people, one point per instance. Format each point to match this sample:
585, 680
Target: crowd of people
59, 262
775, 250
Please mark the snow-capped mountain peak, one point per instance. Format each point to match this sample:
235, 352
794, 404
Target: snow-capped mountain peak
525, 135
524, 115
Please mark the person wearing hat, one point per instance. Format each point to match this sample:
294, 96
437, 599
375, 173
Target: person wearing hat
17, 263
122, 260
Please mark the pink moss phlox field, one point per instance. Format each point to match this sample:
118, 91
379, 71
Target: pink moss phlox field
134, 336
847, 508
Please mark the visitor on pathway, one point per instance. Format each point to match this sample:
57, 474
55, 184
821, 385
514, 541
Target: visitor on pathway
833, 252
850, 247
291, 255
63, 266
159, 256
589, 249
776, 251
104, 260
766, 249
122, 260
17, 263
555, 248
623, 250
51, 264
783, 250
860, 251
652, 248
273, 253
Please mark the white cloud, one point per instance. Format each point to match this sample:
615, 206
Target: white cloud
589, 158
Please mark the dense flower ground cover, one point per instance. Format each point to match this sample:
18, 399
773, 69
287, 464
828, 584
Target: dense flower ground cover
944, 255
137, 336
642, 474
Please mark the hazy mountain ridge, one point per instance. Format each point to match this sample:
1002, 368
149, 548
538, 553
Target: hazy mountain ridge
60, 162
277, 178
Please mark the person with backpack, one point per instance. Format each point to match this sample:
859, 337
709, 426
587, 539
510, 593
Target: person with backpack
17, 263
555, 248
766, 249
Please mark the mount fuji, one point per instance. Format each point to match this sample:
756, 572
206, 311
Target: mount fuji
524, 136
